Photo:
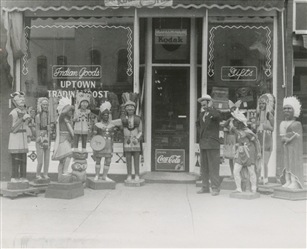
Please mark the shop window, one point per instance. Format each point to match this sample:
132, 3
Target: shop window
42, 70
71, 56
239, 60
122, 66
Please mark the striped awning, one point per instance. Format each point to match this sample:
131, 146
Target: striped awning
46, 5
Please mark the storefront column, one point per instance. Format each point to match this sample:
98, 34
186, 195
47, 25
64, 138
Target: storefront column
148, 95
136, 53
204, 54
193, 94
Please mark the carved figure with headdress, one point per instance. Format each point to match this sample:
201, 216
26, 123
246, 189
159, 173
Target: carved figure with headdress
19, 137
132, 126
64, 138
81, 119
102, 142
43, 138
247, 152
265, 128
291, 134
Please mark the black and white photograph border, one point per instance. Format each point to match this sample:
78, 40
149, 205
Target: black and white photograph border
153, 124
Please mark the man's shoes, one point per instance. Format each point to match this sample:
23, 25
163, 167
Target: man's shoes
203, 191
215, 193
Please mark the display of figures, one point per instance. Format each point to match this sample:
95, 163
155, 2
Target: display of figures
102, 142
132, 125
42, 138
81, 119
265, 128
247, 152
19, 139
64, 138
230, 137
292, 140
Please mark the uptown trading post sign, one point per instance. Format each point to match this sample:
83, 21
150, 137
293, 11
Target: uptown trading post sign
171, 36
170, 159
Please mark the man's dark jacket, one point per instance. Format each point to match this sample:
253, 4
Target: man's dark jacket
209, 129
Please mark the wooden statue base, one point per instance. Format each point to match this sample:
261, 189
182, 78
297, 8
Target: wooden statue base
290, 194
64, 190
14, 189
245, 195
41, 181
267, 188
133, 183
228, 184
17, 185
100, 184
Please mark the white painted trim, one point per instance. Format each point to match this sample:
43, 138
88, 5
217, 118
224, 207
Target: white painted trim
17, 75
136, 53
204, 71
193, 95
148, 95
272, 162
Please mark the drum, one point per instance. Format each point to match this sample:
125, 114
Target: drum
98, 143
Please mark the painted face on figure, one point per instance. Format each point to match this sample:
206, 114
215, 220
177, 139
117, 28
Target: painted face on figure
288, 112
83, 105
232, 109
45, 106
19, 100
262, 105
105, 117
130, 109
69, 113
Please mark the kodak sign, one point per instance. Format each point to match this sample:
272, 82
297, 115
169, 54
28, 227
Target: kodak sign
171, 36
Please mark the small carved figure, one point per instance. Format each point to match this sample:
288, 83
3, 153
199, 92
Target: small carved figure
43, 137
81, 119
103, 139
247, 152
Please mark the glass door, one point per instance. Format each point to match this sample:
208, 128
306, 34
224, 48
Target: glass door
170, 119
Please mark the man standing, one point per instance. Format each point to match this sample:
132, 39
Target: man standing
209, 144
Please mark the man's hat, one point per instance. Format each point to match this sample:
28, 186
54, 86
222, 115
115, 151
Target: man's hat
204, 97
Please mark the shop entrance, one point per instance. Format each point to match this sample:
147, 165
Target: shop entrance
170, 119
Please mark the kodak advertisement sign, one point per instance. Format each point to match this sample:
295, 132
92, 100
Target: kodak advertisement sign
171, 36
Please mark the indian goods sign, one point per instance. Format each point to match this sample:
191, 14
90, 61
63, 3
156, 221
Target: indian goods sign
239, 73
171, 36
76, 72
170, 159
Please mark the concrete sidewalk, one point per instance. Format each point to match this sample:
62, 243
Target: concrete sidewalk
155, 215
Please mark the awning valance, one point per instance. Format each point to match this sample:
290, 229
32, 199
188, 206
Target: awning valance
45, 5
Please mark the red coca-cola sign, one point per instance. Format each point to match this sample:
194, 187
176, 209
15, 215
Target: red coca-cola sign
170, 159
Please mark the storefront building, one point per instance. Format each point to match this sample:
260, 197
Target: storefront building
169, 51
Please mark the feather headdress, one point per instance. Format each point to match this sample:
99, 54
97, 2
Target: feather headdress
238, 115
269, 101
64, 101
294, 103
40, 101
105, 107
82, 96
130, 98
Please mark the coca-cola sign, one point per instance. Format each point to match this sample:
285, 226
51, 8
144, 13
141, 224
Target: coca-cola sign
170, 159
